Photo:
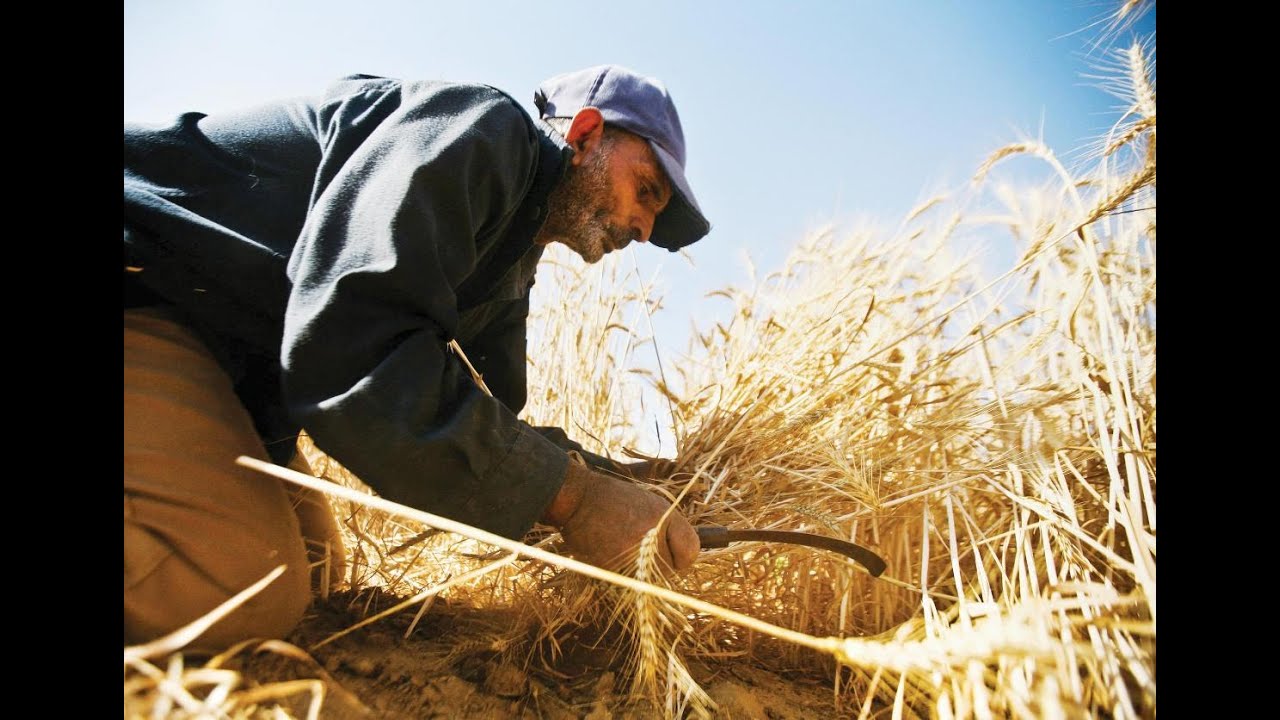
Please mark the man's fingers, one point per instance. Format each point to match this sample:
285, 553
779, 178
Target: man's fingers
662, 468
649, 469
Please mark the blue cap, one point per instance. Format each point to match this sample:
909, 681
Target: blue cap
643, 106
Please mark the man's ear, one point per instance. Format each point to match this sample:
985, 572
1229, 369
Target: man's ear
585, 132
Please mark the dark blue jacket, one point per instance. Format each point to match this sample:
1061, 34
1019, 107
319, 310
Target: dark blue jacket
327, 249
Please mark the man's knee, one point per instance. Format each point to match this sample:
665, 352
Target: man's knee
167, 588
198, 528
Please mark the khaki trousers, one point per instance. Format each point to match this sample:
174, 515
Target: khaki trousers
197, 527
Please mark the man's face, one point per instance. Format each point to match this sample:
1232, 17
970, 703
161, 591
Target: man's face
610, 195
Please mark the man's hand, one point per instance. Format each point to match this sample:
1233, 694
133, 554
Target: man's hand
603, 519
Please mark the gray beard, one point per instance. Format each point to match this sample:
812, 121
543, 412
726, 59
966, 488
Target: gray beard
578, 210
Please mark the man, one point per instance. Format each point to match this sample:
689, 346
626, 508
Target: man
304, 264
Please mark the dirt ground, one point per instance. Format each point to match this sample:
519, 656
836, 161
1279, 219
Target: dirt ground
452, 666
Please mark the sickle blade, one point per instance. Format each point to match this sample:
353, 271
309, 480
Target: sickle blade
714, 536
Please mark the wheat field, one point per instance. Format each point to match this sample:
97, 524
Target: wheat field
993, 438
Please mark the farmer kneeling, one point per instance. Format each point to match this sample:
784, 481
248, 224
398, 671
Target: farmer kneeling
304, 264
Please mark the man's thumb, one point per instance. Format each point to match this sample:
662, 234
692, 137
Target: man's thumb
684, 544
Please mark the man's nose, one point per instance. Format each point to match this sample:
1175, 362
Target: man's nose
642, 227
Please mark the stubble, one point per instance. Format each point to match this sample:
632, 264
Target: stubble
579, 209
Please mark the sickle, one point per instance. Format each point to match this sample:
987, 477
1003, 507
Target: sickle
715, 536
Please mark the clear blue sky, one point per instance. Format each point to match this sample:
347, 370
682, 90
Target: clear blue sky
796, 114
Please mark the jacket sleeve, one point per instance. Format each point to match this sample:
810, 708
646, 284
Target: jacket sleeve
366, 369
500, 357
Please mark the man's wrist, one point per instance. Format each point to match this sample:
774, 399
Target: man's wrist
576, 478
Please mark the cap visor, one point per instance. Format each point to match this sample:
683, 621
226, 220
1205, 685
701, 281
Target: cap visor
682, 222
